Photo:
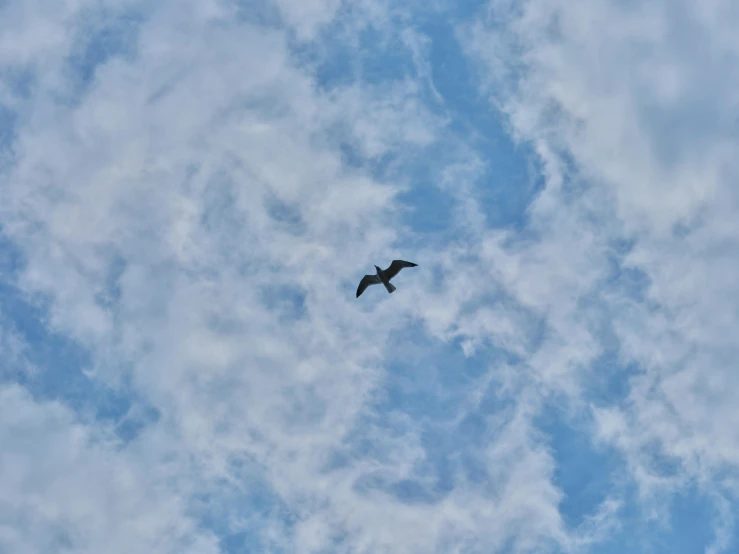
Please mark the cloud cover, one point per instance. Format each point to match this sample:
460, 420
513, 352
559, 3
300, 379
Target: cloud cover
191, 192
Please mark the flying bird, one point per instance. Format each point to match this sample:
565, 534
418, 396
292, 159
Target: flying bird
383, 276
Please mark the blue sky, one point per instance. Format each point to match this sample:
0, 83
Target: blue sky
191, 192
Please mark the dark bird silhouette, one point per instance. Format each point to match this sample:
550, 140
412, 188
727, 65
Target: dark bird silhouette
383, 276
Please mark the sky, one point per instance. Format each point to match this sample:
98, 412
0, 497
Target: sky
191, 191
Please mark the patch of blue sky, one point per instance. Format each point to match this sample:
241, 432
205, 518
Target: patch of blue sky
112, 293
287, 216
257, 12
588, 474
8, 119
609, 380
238, 514
60, 363
510, 182
101, 36
433, 391
18, 84
285, 300
422, 365
372, 57
631, 283
29, 318
428, 207
18, 80
449, 90
515, 174
584, 472
689, 528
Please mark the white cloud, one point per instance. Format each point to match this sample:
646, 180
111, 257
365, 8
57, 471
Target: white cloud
66, 486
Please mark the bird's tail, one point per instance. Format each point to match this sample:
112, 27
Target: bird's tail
390, 287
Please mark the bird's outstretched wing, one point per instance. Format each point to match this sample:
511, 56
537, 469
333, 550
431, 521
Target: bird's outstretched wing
395, 268
366, 281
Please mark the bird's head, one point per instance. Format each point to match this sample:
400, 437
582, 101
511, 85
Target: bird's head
378, 269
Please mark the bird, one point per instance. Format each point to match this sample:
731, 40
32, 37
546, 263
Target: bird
383, 276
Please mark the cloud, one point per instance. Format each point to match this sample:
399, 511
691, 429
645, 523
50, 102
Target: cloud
67, 486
